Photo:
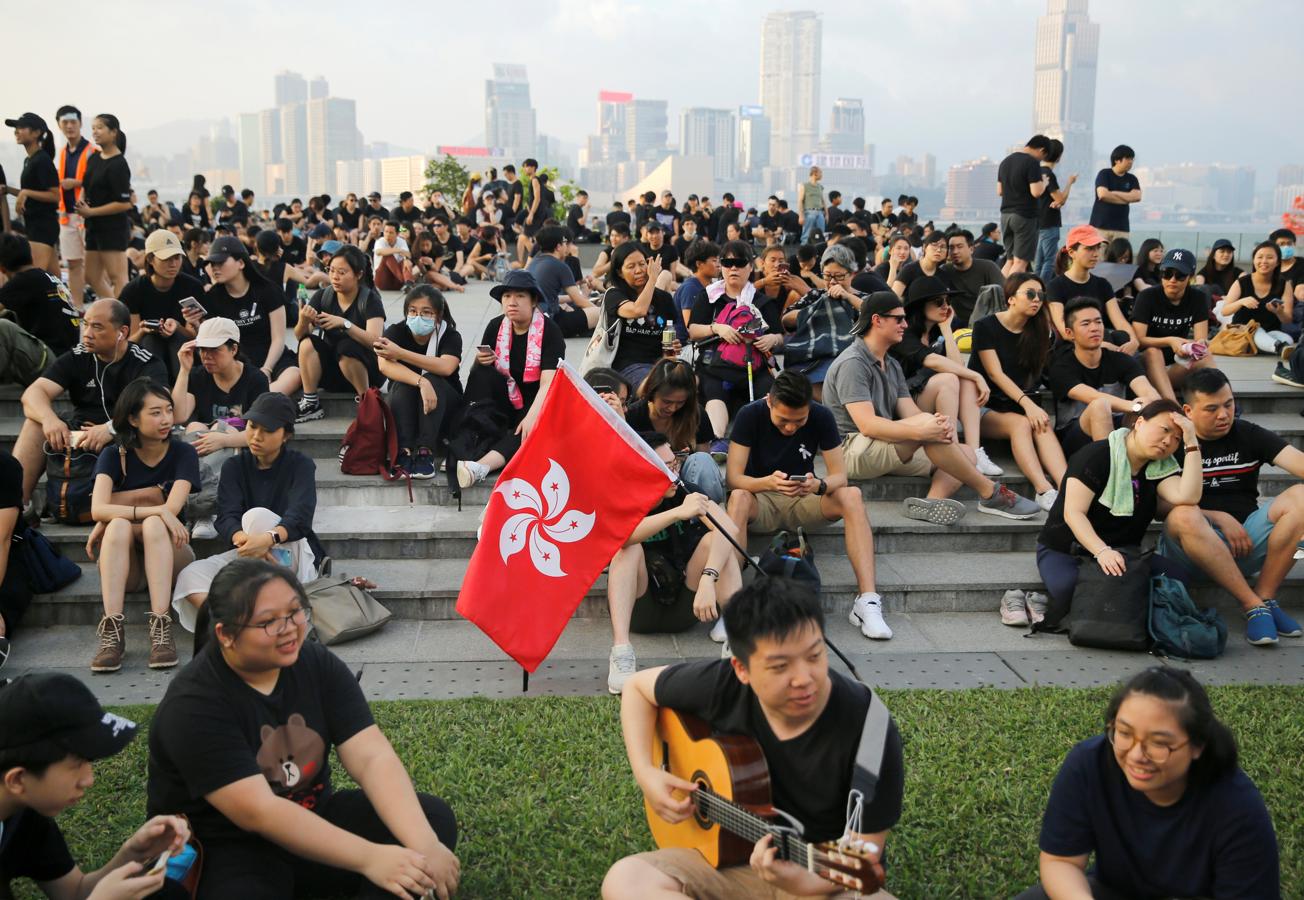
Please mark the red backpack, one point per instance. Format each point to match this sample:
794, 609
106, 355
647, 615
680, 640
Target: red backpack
370, 446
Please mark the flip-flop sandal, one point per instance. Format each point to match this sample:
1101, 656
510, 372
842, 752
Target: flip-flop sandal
934, 512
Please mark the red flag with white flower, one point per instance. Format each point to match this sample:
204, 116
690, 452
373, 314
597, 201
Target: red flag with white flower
563, 506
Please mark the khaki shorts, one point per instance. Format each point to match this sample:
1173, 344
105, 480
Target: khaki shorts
699, 880
775, 511
868, 458
72, 239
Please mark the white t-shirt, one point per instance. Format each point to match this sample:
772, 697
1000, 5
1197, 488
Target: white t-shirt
382, 244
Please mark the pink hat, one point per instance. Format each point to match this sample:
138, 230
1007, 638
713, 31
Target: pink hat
1085, 235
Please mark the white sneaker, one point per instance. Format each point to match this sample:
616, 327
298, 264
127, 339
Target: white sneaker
726, 652
1014, 610
1046, 499
470, 473
717, 631
620, 666
867, 613
204, 530
985, 465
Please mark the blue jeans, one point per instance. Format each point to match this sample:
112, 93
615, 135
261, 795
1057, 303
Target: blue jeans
703, 473
1047, 248
814, 222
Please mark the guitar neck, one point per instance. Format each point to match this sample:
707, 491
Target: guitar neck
751, 827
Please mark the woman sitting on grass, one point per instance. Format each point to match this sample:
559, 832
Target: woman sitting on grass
1161, 802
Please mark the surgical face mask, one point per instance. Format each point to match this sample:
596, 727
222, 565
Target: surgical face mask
1288, 251
420, 326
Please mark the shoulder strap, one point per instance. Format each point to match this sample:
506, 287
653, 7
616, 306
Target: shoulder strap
873, 743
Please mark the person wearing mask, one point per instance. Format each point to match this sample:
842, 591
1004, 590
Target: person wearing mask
1076, 259
1261, 296
1160, 790
93, 374
211, 401
1111, 493
1219, 271
142, 483
642, 309
667, 404
43, 322
1172, 323
284, 831
154, 297
1116, 190
1020, 181
73, 159
106, 197
1049, 219
241, 293
1010, 350
1090, 382
337, 332
38, 191
421, 357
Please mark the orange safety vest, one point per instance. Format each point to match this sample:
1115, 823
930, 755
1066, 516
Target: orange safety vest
80, 176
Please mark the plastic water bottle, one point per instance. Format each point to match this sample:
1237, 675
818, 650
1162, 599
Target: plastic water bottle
302, 295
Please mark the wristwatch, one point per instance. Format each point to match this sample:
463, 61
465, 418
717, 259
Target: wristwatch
276, 536
347, 324
1137, 406
824, 486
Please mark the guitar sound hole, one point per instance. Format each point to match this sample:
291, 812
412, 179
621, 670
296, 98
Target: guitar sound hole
699, 815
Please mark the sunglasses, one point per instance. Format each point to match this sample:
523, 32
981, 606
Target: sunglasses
1033, 294
733, 262
1173, 275
900, 317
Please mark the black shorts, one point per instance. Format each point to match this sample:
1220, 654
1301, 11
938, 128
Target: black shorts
109, 236
573, 323
43, 230
1072, 438
1020, 233
332, 379
657, 613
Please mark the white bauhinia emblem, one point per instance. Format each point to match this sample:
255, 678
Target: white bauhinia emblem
546, 516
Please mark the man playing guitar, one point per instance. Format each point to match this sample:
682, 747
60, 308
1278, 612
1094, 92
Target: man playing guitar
808, 721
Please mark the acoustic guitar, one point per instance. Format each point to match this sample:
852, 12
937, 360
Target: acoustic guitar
733, 807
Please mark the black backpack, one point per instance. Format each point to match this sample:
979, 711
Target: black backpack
473, 429
1113, 612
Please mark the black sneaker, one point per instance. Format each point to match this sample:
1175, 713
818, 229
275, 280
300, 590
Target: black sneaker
1283, 375
309, 411
423, 466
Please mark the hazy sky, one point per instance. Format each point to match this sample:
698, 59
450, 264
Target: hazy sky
1178, 81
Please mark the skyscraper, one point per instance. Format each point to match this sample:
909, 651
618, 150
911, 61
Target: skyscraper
290, 88
753, 141
790, 83
332, 134
646, 129
710, 132
612, 126
1064, 92
846, 127
318, 88
509, 119
294, 147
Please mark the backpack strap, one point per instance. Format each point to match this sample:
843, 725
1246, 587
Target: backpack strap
868, 766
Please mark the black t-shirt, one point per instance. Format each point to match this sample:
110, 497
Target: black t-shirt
640, 419
366, 305
1115, 372
43, 307
988, 250
406, 215
108, 180
810, 775
212, 729
912, 270
71, 160
295, 252
148, 302
668, 218
575, 218
1231, 467
990, 334
1216, 841
1062, 289
179, 463
1163, 318
349, 220
213, 403
1090, 466
773, 451
640, 339
39, 174
889, 221
195, 218
450, 344
94, 386
1266, 318
515, 198
11, 497
1016, 174
666, 253
1112, 216
250, 312
911, 352
677, 541
1048, 216
969, 283
234, 212
552, 351
32, 846
771, 222
789, 222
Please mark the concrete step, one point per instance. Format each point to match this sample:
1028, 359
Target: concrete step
339, 405
909, 582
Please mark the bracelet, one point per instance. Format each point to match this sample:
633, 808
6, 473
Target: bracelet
1195, 449
1102, 550
1020, 399
715, 576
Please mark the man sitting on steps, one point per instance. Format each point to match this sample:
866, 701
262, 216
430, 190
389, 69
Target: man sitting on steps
1230, 536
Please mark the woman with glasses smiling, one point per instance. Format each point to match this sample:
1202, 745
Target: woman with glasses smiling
1162, 803
242, 742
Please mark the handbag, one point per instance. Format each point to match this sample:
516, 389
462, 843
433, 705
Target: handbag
69, 480
823, 330
1112, 612
342, 611
602, 347
790, 556
47, 569
1235, 340
1178, 627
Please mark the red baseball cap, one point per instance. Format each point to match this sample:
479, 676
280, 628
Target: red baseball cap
1085, 235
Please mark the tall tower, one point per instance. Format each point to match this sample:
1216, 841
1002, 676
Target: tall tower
710, 132
790, 83
847, 126
509, 119
1064, 94
291, 87
647, 127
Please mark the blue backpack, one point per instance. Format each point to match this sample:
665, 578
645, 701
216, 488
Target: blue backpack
47, 568
1178, 628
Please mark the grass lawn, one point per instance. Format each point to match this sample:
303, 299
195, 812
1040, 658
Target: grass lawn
546, 802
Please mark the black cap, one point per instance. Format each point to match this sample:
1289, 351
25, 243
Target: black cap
28, 120
227, 190
1181, 260
374, 195
517, 280
319, 231
1222, 244
224, 248
876, 304
272, 410
53, 706
927, 287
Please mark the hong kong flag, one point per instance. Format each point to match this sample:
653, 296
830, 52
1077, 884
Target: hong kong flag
563, 506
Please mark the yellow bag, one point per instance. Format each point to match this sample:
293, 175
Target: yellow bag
964, 339
1235, 340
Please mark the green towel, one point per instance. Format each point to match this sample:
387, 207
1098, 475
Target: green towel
1117, 495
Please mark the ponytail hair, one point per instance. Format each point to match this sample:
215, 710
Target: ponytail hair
47, 143
111, 122
1062, 261
1190, 701
358, 261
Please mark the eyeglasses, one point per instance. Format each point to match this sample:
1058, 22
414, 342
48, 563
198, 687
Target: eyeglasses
281, 624
1155, 751
1173, 275
733, 262
1033, 294
836, 276
677, 463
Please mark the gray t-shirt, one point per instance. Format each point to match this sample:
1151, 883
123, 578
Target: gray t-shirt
855, 377
553, 276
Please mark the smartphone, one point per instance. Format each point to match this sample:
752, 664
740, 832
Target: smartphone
192, 303
797, 478
161, 863
151, 324
483, 348
783, 268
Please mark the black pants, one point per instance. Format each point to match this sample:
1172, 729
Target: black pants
417, 429
255, 869
330, 354
487, 383
166, 349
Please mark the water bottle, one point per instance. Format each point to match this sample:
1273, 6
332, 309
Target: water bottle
302, 295
668, 339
